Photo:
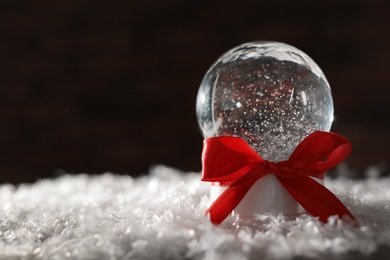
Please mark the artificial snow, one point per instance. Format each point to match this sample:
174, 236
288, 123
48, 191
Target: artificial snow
161, 216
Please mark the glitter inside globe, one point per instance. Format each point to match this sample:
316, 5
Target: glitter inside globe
270, 94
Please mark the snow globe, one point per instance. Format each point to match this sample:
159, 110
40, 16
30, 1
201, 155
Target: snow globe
272, 95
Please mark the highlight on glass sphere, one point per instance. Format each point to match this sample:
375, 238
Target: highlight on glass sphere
270, 94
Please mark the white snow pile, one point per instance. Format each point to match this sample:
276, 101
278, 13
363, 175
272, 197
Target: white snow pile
161, 216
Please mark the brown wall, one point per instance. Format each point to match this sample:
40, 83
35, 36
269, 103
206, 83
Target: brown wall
94, 86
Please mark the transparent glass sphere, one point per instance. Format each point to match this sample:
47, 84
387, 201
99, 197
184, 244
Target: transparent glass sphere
270, 94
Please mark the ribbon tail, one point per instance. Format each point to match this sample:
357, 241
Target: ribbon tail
231, 197
315, 198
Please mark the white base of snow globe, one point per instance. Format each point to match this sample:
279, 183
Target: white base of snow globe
266, 196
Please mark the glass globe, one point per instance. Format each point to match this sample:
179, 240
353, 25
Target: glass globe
270, 94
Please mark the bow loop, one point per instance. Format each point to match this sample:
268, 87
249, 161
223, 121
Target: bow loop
237, 157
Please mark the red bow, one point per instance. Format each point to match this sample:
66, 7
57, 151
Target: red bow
231, 161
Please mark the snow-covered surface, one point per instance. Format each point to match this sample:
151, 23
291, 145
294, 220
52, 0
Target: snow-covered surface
161, 216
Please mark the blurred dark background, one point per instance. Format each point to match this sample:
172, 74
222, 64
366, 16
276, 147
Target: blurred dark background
96, 86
